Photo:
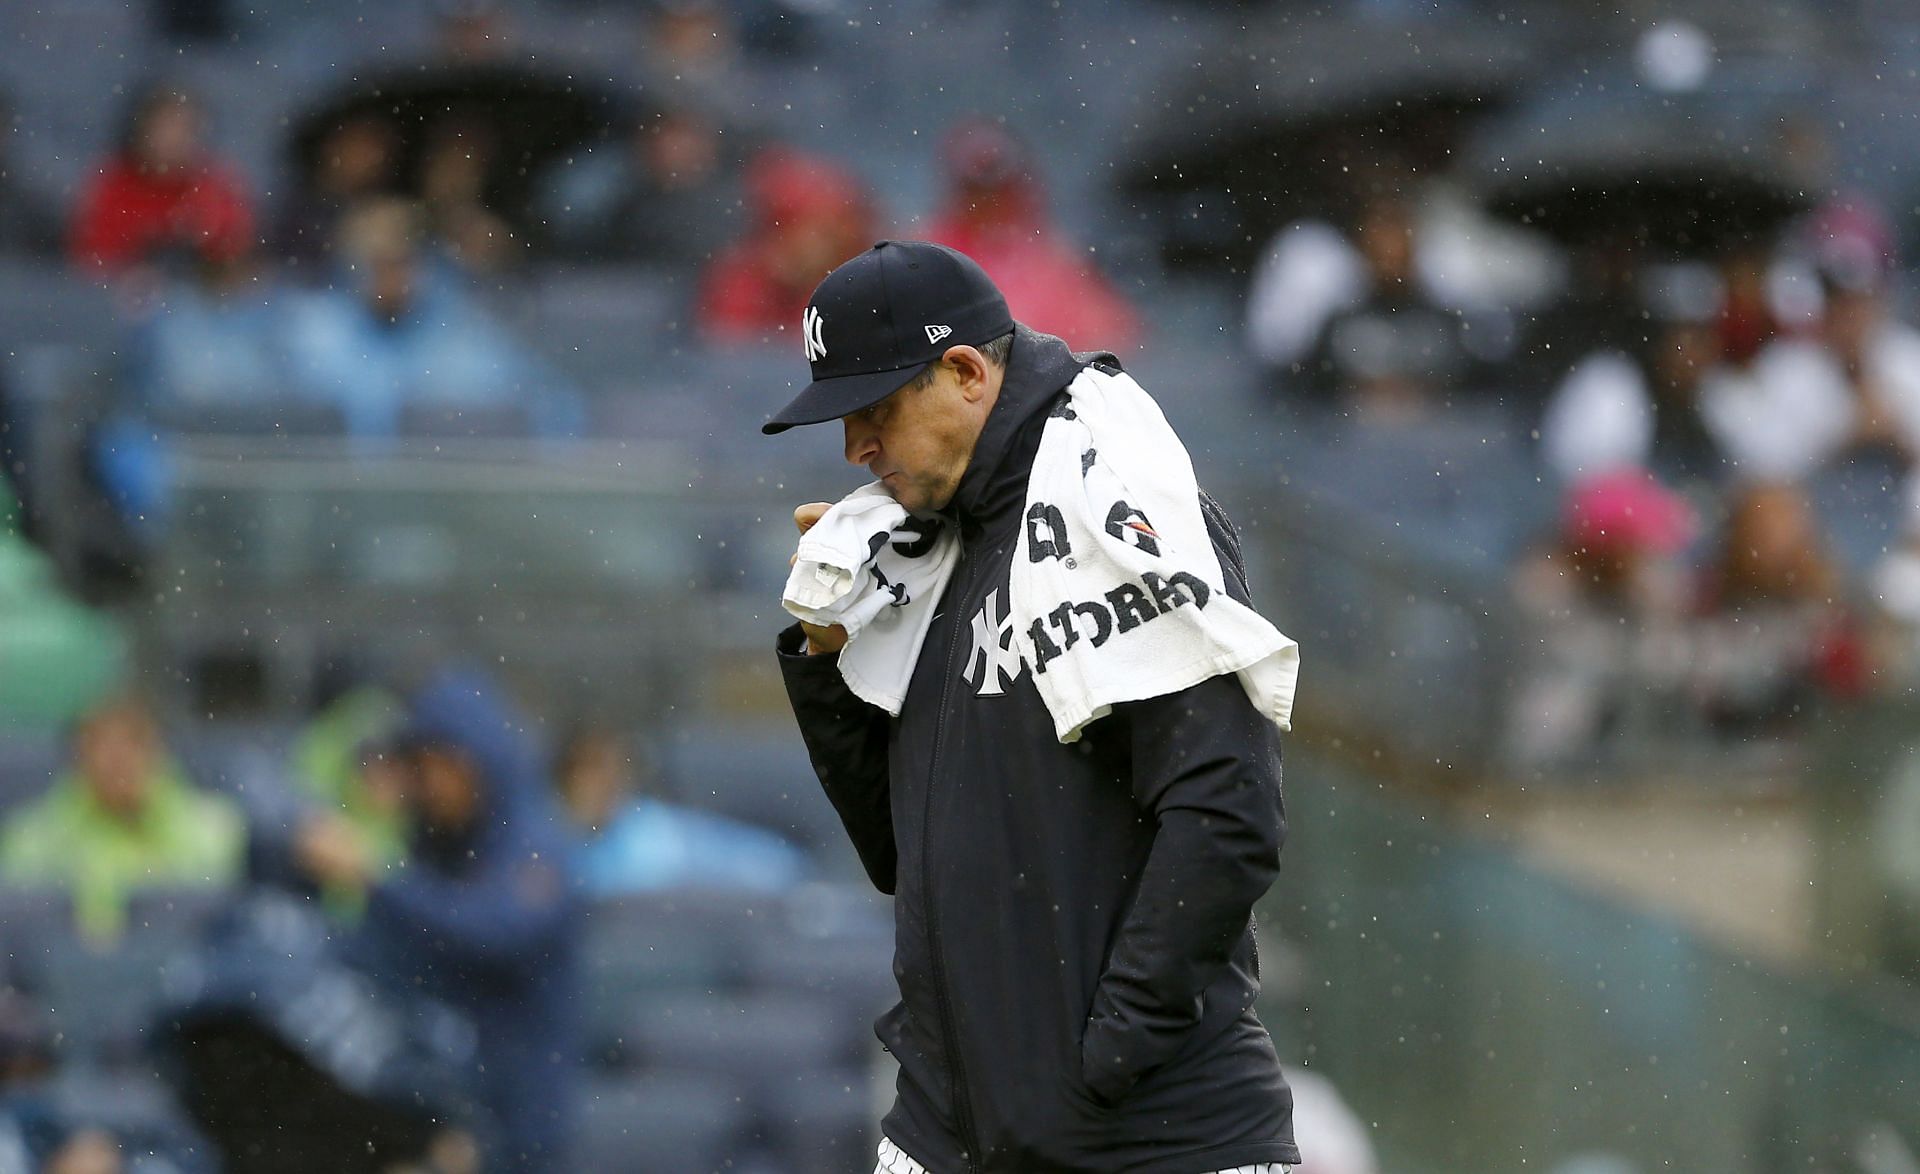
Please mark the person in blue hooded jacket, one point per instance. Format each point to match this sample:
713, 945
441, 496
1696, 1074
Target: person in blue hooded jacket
482, 913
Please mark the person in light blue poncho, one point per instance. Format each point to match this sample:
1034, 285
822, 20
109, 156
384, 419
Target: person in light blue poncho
628, 842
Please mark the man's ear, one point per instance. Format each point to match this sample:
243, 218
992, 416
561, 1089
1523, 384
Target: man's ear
970, 368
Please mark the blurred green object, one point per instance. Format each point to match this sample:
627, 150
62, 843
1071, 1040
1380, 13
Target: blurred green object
57, 656
327, 757
328, 762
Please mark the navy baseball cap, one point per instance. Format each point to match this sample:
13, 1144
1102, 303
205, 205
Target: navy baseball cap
880, 319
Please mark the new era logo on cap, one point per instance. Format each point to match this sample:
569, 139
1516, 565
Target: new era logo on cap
896, 308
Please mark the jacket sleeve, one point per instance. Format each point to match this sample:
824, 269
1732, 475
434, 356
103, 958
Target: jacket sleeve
504, 917
847, 742
1206, 769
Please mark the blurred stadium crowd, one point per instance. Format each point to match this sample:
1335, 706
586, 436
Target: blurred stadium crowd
1606, 309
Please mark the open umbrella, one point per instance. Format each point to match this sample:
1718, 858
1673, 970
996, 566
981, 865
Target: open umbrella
1269, 122
295, 1063
515, 116
1687, 174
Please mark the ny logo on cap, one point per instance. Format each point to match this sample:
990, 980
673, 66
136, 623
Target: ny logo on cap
936, 333
810, 330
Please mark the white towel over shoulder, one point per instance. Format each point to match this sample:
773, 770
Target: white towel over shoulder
877, 570
1116, 591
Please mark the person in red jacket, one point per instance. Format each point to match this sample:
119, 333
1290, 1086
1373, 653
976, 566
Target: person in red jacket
996, 213
161, 194
809, 215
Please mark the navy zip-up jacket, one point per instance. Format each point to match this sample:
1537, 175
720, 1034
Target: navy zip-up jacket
488, 922
1073, 939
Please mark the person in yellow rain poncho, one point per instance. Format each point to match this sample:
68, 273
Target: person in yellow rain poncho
122, 817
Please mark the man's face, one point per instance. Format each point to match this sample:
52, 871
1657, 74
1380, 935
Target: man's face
170, 136
116, 753
442, 789
918, 440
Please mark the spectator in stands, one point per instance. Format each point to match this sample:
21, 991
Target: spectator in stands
1748, 319
26, 1061
1848, 391
629, 841
355, 161
1394, 353
995, 212
210, 338
122, 817
349, 806
1455, 257
452, 180
1873, 361
668, 196
690, 54
162, 194
1602, 312
807, 216
1775, 634
474, 32
1607, 606
399, 340
213, 338
29, 225
44, 1132
1643, 407
483, 915
341, 761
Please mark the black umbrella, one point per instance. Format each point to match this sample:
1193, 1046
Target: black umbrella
518, 117
1271, 121
1690, 174
294, 1062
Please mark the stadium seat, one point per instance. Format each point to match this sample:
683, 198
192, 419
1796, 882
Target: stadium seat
645, 946
103, 999
31, 921
431, 421
180, 913
852, 975
241, 760
757, 774
29, 759
824, 1123
660, 1123
1863, 510
43, 304
272, 416
767, 1044
602, 324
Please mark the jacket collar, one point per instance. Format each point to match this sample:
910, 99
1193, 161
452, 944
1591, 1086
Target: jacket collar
1038, 367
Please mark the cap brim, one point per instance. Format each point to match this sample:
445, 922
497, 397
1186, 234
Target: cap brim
830, 399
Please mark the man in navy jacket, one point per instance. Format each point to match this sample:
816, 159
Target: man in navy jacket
482, 914
1073, 939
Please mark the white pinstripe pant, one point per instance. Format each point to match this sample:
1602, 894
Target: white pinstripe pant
892, 1161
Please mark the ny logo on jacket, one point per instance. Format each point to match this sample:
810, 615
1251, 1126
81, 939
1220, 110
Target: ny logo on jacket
993, 664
